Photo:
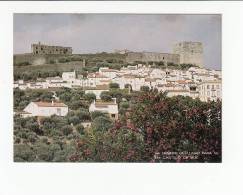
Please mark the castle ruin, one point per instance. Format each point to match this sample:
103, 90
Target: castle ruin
183, 53
46, 49
190, 52
153, 57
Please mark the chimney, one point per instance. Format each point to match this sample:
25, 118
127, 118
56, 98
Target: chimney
114, 100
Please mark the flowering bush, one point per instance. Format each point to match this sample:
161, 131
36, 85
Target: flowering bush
180, 125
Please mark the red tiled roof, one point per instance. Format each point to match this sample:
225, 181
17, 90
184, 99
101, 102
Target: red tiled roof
50, 104
102, 103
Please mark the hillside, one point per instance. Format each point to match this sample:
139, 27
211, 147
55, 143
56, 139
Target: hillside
28, 70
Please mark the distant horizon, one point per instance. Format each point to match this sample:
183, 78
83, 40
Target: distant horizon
96, 33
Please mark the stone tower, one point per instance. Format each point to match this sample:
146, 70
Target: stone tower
190, 52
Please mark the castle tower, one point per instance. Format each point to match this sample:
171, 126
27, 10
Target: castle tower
190, 52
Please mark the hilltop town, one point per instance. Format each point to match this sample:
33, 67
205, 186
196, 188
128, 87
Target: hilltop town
70, 105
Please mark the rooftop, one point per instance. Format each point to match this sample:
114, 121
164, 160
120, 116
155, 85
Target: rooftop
50, 104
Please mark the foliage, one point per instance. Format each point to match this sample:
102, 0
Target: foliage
178, 124
90, 97
144, 88
66, 130
150, 125
105, 96
96, 114
80, 129
115, 145
23, 152
101, 123
114, 85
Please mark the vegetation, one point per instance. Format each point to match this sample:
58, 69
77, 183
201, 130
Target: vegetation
151, 128
93, 62
114, 85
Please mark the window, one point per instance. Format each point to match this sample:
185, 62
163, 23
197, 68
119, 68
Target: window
113, 115
208, 94
212, 86
208, 87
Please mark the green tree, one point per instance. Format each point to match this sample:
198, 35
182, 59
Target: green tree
144, 88
105, 96
43, 153
80, 129
119, 144
114, 85
96, 114
83, 115
23, 152
74, 120
66, 130
90, 97
101, 123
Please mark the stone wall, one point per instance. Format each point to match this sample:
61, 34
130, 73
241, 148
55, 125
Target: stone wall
35, 59
49, 49
152, 56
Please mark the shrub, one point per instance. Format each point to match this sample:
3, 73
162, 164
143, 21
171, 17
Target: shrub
66, 130
102, 123
80, 129
105, 96
114, 85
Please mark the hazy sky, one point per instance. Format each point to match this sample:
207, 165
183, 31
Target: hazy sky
91, 33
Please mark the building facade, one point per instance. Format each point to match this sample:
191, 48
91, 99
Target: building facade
210, 90
46, 109
47, 49
111, 108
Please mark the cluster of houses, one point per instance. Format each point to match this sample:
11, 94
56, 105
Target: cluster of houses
195, 82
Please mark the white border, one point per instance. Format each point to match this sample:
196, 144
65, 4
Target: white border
122, 179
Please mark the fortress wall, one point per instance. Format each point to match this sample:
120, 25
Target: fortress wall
35, 59
152, 56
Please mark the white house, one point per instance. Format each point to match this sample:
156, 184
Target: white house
110, 73
97, 90
69, 76
210, 90
135, 81
46, 109
110, 108
94, 79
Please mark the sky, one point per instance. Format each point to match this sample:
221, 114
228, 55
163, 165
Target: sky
92, 33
